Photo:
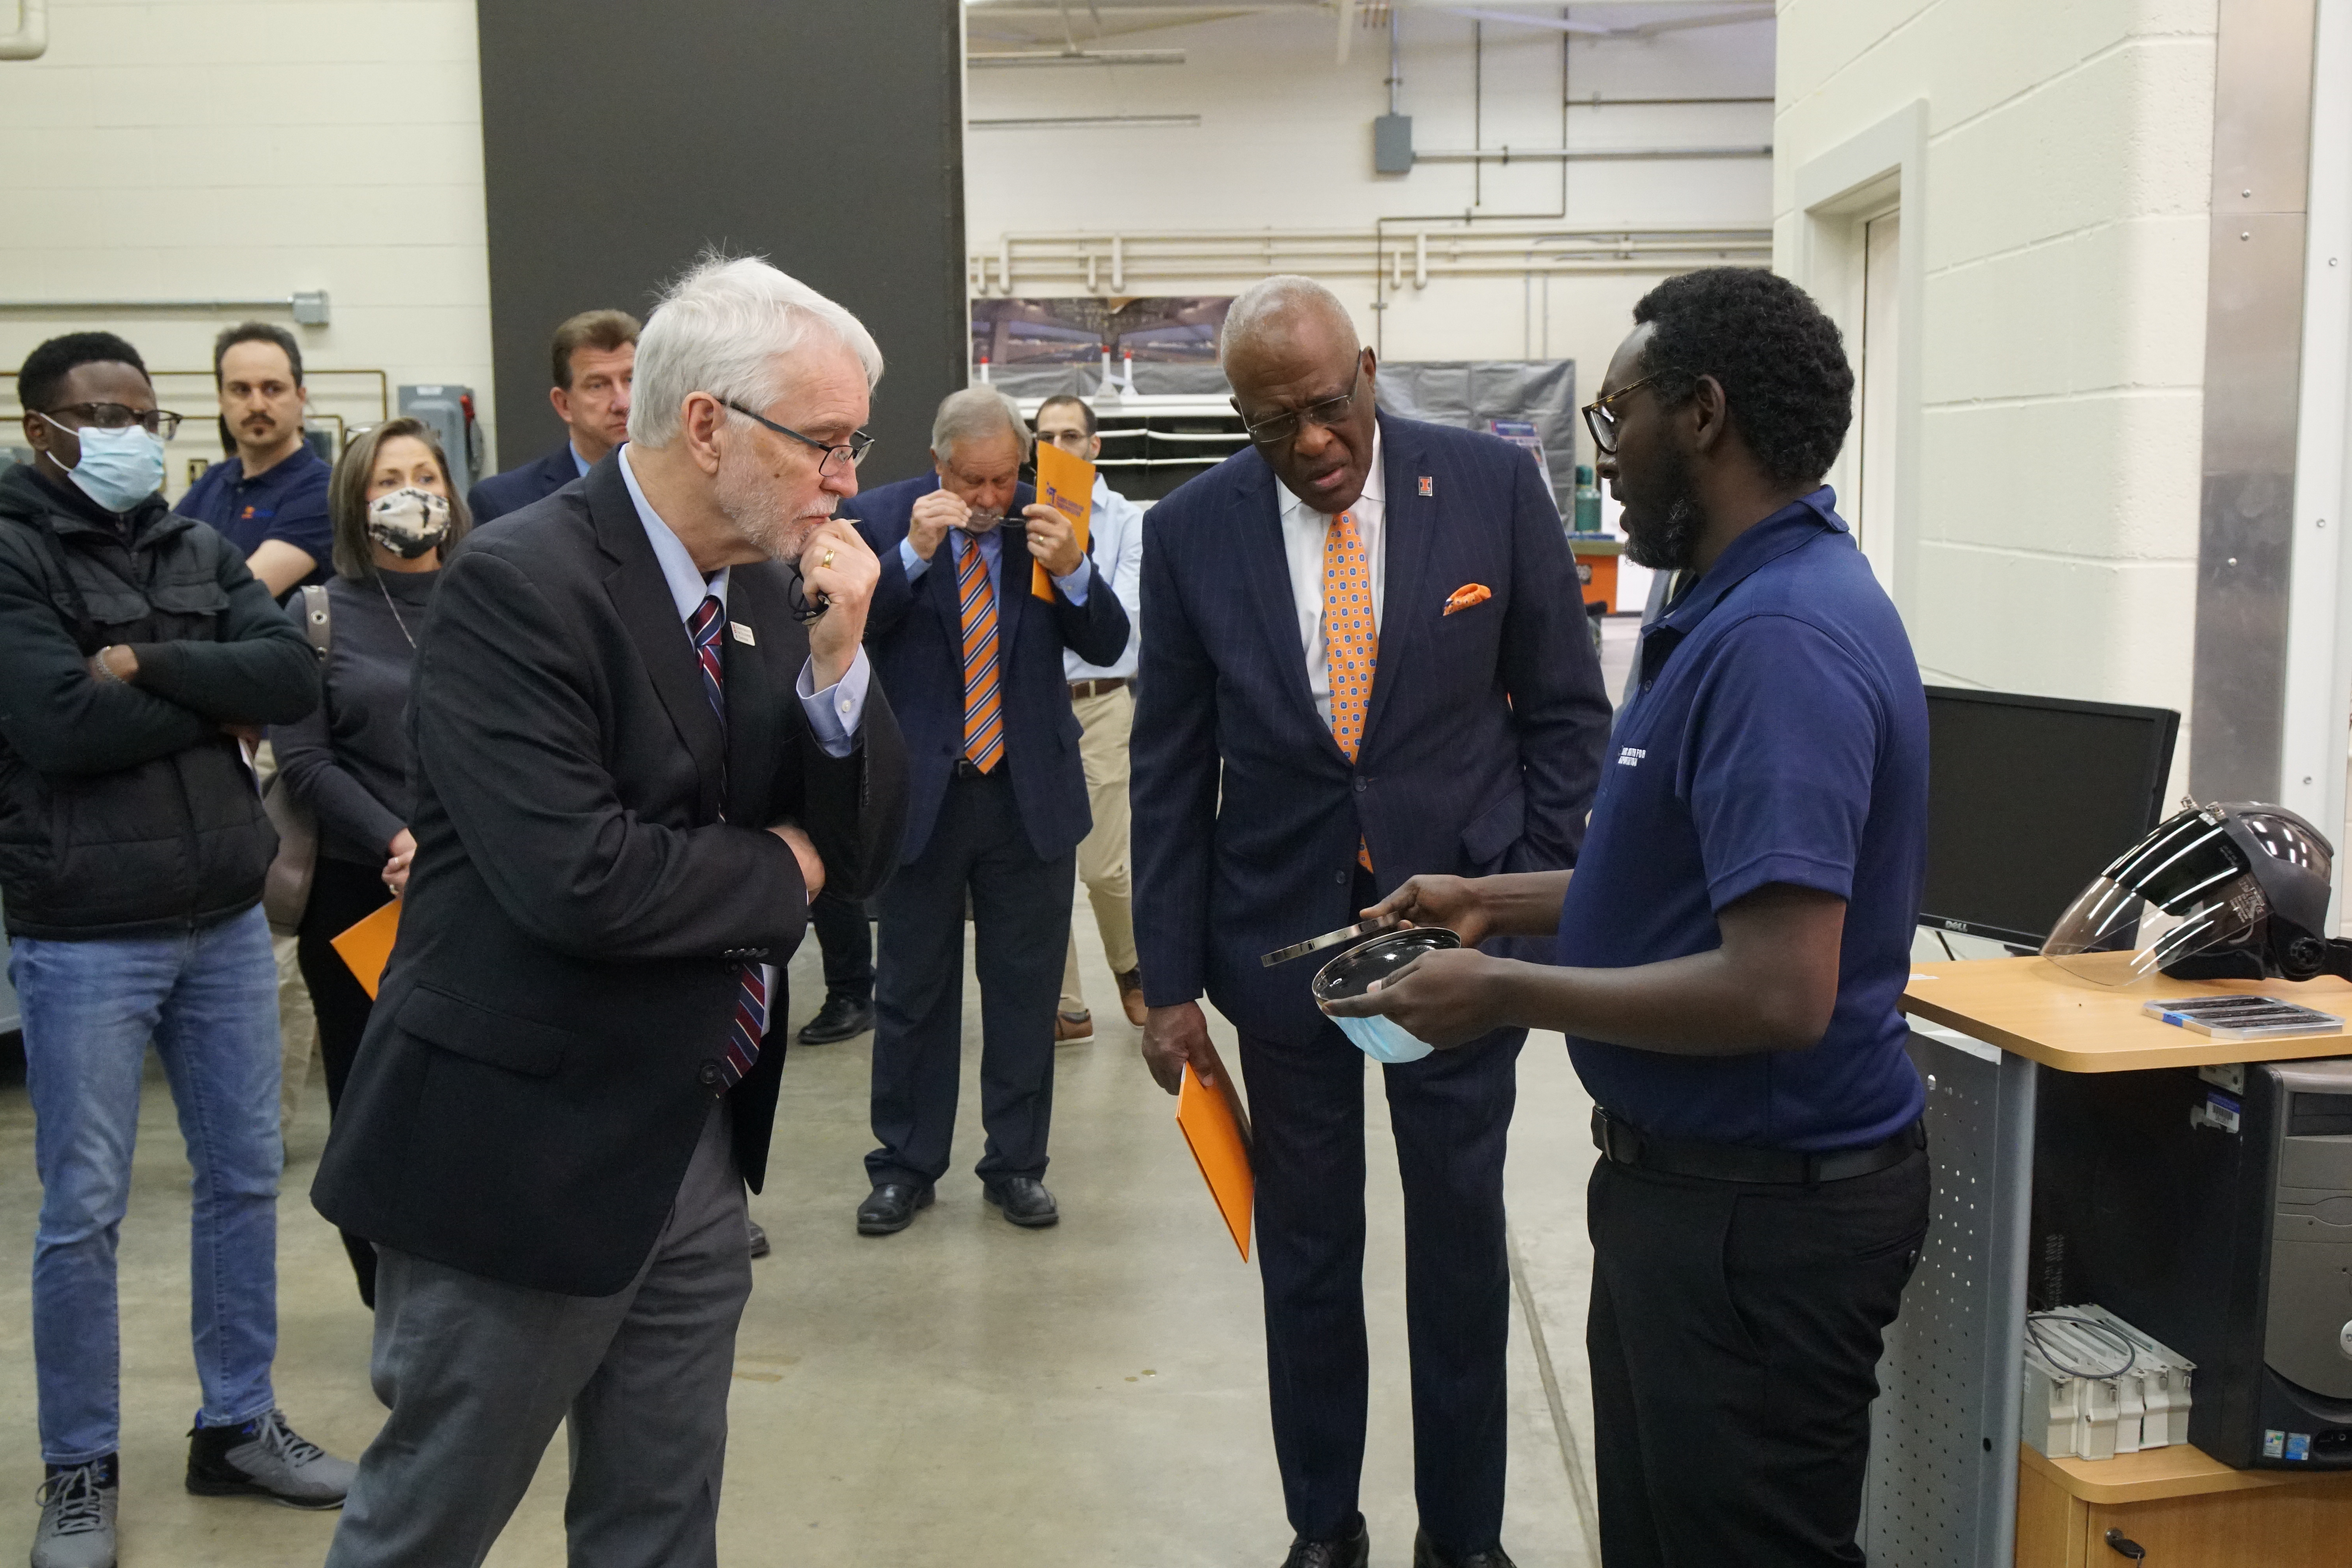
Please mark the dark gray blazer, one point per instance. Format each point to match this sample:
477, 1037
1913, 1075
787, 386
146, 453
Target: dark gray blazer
536, 1072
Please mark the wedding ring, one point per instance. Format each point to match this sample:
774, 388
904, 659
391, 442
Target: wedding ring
826, 562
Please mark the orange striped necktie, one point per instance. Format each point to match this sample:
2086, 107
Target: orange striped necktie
1350, 645
983, 709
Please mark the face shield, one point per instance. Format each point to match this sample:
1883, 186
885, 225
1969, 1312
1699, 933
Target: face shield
2215, 892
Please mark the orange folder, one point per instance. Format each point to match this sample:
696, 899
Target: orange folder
1217, 1127
367, 946
1068, 485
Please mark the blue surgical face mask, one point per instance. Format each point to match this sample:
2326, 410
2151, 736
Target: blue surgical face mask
118, 469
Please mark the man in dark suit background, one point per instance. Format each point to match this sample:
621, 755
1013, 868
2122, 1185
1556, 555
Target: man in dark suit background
633, 767
996, 803
595, 355
1368, 659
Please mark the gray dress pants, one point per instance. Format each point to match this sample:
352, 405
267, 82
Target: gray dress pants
478, 1374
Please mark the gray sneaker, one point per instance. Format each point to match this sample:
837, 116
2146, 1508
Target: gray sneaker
263, 1458
78, 1518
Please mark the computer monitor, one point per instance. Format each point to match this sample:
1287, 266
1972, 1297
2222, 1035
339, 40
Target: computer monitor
2028, 799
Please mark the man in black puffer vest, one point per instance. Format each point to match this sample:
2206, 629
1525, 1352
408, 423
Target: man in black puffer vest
138, 659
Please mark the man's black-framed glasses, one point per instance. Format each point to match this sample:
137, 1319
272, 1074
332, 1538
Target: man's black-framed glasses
851, 452
117, 416
1276, 428
1600, 414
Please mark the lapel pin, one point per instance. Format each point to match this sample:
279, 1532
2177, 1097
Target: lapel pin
1427, 488
741, 634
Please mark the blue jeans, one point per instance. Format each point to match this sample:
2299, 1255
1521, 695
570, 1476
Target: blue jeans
208, 999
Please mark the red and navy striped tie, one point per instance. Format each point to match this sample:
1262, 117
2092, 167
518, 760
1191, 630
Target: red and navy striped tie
984, 714
750, 1027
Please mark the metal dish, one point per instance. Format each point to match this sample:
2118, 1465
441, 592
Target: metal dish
1352, 973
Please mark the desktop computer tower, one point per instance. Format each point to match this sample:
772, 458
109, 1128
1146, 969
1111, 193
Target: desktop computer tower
2212, 1208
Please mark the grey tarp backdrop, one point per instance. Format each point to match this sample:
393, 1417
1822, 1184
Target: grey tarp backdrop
1468, 393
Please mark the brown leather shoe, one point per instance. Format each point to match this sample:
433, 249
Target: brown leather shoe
1130, 996
1069, 1031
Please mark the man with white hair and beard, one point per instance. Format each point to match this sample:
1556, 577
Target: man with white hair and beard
645, 735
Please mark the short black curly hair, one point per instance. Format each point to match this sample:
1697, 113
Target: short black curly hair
42, 381
1782, 363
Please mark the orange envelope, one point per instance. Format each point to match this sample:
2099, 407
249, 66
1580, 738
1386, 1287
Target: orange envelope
1217, 1127
1068, 485
367, 946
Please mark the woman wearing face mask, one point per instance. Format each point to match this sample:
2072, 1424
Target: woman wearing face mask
395, 516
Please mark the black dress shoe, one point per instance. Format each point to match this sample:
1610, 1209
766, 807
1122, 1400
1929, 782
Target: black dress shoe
1024, 1200
1353, 1550
1425, 1554
891, 1206
841, 1018
760, 1248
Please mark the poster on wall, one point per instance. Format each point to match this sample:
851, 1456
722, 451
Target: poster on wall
1036, 348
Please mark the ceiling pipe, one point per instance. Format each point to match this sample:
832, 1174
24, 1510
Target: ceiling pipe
1077, 58
1585, 154
30, 42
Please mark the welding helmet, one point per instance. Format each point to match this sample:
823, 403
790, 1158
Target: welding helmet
2235, 892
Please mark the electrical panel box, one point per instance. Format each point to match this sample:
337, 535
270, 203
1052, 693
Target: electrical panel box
2217, 1217
1392, 144
449, 410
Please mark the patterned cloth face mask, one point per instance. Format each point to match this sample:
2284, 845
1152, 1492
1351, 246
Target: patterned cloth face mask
408, 522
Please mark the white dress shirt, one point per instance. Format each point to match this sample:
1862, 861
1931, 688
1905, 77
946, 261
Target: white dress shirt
1303, 532
1115, 535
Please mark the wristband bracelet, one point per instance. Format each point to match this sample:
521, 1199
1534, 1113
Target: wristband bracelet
106, 670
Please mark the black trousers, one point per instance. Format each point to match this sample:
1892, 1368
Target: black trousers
341, 894
1451, 1113
846, 941
1021, 925
1734, 1334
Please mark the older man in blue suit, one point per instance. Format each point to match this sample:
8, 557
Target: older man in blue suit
1368, 659
997, 802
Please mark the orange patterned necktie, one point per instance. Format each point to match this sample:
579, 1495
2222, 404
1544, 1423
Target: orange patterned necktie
1350, 645
983, 711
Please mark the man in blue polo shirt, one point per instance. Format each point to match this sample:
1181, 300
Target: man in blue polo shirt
1731, 947
270, 499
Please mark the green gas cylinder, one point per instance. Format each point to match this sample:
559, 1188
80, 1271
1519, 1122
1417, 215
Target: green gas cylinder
1588, 500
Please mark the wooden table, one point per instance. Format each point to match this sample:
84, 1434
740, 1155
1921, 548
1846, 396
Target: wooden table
2034, 1008
1945, 1484
2182, 1509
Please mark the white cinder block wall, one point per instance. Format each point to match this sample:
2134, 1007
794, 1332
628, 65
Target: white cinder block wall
2064, 204
246, 149
1285, 142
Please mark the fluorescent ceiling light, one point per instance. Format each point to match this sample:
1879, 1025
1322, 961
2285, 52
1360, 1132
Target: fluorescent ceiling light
1084, 122
1078, 57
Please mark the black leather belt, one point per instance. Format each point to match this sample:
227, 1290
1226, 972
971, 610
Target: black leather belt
966, 770
1624, 1145
1102, 687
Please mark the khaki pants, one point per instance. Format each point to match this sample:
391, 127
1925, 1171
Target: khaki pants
297, 1027
1107, 721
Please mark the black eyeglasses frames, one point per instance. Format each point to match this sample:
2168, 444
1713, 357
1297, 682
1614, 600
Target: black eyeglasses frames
118, 417
853, 451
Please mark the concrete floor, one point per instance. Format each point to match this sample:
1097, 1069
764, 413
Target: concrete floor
964, 1393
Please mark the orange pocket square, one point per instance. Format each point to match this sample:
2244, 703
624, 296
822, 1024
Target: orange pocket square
1466, 595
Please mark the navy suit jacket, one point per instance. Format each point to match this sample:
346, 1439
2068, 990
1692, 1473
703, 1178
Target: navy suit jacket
914, 635
518, 487
1482, 742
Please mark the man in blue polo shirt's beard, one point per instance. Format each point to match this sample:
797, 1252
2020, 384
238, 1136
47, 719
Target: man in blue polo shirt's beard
1730, 951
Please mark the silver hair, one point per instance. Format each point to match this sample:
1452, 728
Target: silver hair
973, 412
1269, 305
724, 328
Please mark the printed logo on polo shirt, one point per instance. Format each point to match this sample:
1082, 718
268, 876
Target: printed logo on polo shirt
1630, 756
